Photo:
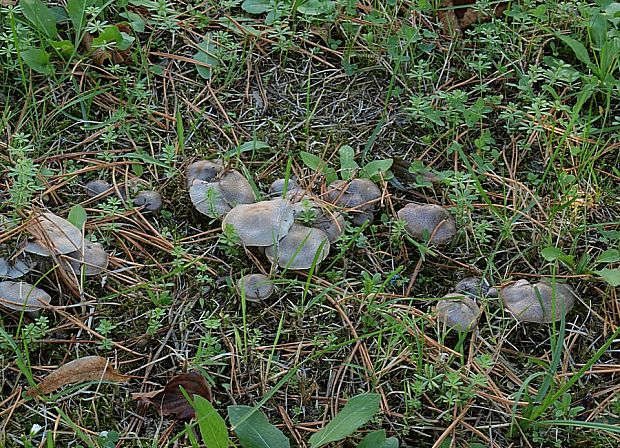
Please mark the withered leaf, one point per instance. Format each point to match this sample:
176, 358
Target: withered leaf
89, 368
171, 401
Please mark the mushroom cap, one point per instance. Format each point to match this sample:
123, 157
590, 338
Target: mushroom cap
94, 258
97, 187
262, 223
13, 270
215, 199
204, 170
473, 287
294, 192
151, 200
357, 193
298, 249
53, 235
332, 223
255, 287
423, 219
458, 312
535, 303
22, 296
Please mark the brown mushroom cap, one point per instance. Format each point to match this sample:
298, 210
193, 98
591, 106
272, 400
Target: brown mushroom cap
53, 235
298, 249
458, 312
537, 303
151, 200
204, 170
423, 219
262, 223
215, 199
20, 296
94, 258
255, 287
357, 193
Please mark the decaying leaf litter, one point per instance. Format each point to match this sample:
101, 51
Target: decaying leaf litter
189, 265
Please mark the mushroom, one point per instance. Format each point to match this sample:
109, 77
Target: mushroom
255, 287
97, 187
299, 248
93, 257
13, 270
428, 221
537, 303
151, 200
53, 235
293, 191
204, 170
332, 223
217, 198
458, 312
262, 223
20, 296
360, 195
473, 287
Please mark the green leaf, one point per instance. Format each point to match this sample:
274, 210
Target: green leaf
609, 256
373, 170
76, 10
206, 54
358, 411
348, 165
38, 60
319, 165
64, 47
42, 17
256, 6
598, 29
254, 430
77, 216
254, 145
552, 253
212, 426
136, 21
611, 276
375, 439
578, 48
316, 7
391, 442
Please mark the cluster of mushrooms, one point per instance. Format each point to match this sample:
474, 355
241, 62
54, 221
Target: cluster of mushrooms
293, 229
54, 241
276, 227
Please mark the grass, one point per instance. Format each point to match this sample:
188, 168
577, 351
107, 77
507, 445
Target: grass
518, 118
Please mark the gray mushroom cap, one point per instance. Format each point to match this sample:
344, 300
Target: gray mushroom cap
215, 199
458, 311
97, 187
537, 303
294, 192
255, 287
94, 258
150, 200
299, 248
357, 193
262, 223
13, 270
204, 170
423, 219
473, 287
53, 235
20, 296
332, 223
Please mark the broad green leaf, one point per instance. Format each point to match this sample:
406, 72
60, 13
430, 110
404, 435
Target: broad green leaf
77, 216
552, 253
316, 7
254, 430
315, 163
212, 426
358, 411
348, 165
391, 442
598, 29
76, 10
611, 276
42, 17
38, 60
64, 47
206, 54
578, 48
373, 169
136, 21
609, 256
375, 439
109, 34
256, 6
254, 145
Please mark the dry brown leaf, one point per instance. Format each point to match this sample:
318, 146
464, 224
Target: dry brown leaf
89, 368
171, 401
